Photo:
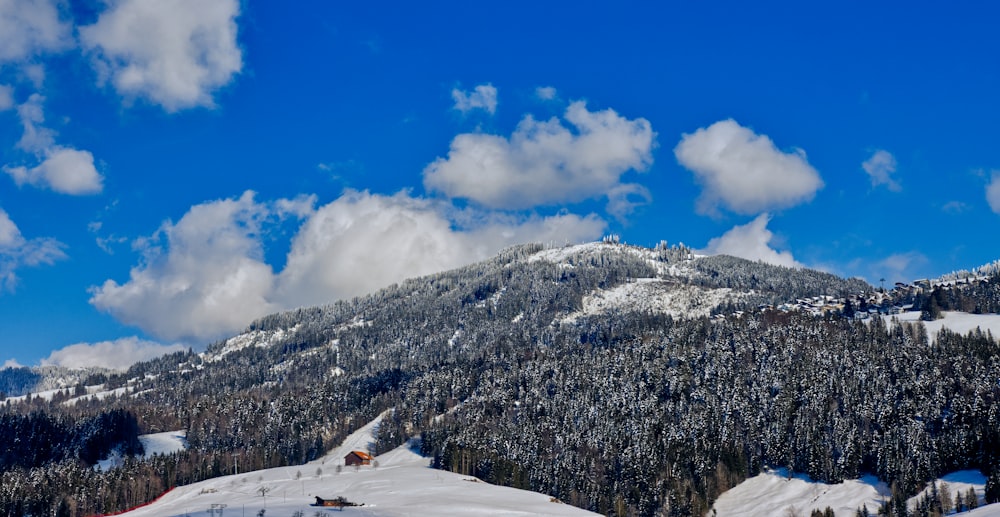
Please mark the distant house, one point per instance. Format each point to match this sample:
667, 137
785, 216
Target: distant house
357, 458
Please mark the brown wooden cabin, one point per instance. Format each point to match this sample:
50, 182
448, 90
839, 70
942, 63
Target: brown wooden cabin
339, 502
357, 458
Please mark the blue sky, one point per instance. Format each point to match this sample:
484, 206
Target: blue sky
173, 169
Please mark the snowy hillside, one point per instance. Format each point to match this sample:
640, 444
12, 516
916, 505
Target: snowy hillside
400, 483
958, 322
776, 493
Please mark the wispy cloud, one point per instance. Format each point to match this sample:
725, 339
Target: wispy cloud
482, 97
17, 252
62, 169
880, 168
545, 93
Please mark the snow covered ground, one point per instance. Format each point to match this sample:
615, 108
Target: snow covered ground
163, 443
654, 296
774, 493
156, 443
992, 510
959, 322
401, 484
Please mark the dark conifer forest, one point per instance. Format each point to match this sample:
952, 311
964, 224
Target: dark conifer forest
623, 411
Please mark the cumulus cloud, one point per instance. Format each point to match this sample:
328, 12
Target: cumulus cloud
174, 53
17, 252
30, 27
545, 93
63, 169
11, 363
201, 277
364, 241
544, 162
752, 242
744, 171
880, 168
993, 192
205, 277
119, 354
483, 97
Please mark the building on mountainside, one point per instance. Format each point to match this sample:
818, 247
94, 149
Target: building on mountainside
357, 458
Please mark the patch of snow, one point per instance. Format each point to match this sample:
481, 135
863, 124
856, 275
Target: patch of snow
156, 443
991, 510
960, 481
958, 322
164, 443
654, 296
44, 395
258, 338
563, 254
775, 493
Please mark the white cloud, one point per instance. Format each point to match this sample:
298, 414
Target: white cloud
364, 241
117, 355
17, 252
752, 242
175, 53
68, 171
11, 363
6, 97
36, 138
880, 167
31, 27
744, 171
993, 192
205, 277
545, 162
482, 97
545, 93
63, 169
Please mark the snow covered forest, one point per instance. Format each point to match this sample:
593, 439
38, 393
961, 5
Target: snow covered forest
509, 374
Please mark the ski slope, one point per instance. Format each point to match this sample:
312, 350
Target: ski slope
401, 484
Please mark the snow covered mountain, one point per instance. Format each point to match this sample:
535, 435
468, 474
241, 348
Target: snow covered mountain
616, 379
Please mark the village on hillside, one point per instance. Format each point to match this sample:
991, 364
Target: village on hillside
901, 298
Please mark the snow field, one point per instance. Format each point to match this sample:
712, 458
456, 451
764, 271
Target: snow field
775, 493
402, 484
